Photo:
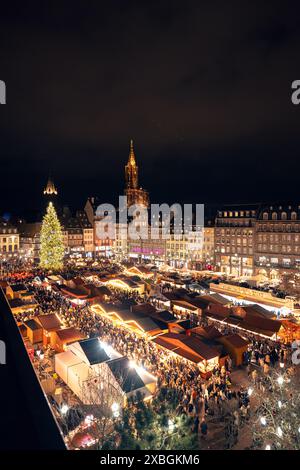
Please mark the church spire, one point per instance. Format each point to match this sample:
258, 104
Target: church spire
131, 170
131, 159
50, 189
135, 194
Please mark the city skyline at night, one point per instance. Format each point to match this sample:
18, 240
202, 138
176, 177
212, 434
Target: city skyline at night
149, 231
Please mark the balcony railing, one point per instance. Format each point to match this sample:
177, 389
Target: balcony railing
276, 265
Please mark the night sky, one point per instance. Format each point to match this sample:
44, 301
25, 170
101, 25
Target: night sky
203, 88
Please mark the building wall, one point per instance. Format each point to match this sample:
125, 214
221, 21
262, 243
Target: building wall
234, 241
177, 251
88, 240
147, 249
208, 250
277, 242
30, 240
9, 241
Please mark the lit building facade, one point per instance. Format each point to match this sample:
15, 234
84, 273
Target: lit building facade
177, 251
234, 240
150, 249
120, 245
102, 246
277, 243
201, 247
9, 241
208, 248
78, 235
30, 240
87, 232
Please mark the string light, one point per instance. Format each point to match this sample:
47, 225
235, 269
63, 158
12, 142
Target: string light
279, 432
114, 406
280, 380
64, 409
263, 420
51, 241
171, 425
115, 410
268, 447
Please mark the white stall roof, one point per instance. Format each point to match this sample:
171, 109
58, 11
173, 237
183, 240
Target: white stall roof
67, 358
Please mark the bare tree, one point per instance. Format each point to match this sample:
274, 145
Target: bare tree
277, 418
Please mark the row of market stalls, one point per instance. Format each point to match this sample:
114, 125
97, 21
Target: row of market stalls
255, 320
48, 330
91, 286
205, 347
77, 289
251, 318
20, 299
141, 271
236, 293
94, 371
176, 335
142, 319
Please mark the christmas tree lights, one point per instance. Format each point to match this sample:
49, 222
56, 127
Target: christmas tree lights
52, 245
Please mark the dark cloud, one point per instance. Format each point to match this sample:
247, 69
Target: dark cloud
202, 87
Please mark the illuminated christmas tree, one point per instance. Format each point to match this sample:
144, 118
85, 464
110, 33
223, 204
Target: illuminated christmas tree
52, 246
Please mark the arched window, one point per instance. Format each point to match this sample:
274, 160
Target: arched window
283, 215
274, 215
294, 215
265, 216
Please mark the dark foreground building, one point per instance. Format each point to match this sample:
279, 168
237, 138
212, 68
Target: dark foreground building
27, 421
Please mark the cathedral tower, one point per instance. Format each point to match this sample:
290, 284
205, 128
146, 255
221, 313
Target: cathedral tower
135, 194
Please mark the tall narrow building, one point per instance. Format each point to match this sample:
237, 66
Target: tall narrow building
134, 193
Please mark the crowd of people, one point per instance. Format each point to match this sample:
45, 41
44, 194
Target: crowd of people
205, 400
261, 352
202, 399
